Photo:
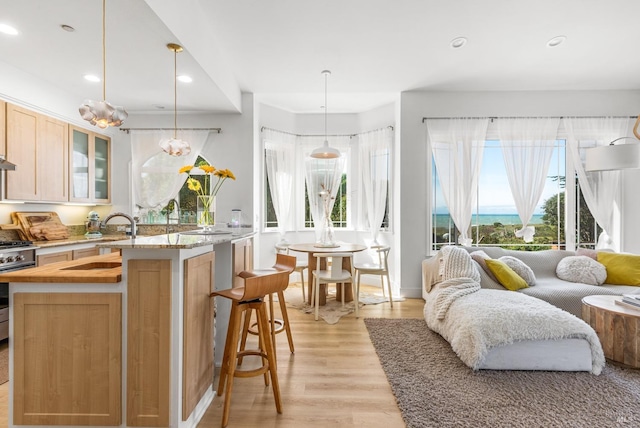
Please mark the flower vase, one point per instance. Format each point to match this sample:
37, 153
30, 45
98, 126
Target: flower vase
206, 212
326, 233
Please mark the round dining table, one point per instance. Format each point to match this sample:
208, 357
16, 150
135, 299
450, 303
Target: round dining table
341, 247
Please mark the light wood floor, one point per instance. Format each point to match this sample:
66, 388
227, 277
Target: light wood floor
334, 377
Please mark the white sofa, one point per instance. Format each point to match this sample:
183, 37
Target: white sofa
563, 294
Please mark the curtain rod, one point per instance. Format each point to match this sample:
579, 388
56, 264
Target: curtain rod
526, 117
262, 129
170, 129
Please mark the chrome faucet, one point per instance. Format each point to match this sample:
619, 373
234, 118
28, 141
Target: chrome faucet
127, 216
175, 204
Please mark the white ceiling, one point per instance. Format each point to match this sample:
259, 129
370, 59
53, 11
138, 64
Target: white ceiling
277, 49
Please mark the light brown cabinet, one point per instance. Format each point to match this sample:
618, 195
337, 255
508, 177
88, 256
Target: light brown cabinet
242, 259
61, 256
38, 145
197, 367
3, 128
148, 343
77, 381
90, 179
85, 252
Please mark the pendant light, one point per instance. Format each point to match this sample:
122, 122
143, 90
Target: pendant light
324, 151
102, 113
174, 146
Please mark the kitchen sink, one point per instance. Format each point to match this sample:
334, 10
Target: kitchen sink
95, 266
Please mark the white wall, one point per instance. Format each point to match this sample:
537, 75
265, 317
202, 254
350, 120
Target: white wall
414, 194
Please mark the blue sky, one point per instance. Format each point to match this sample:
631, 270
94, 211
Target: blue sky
494, 192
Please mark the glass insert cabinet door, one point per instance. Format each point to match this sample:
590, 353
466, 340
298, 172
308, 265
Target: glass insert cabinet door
90, 169
101, 168
80, 165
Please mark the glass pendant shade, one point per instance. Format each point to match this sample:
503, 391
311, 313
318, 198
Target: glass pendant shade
175, 146
101, 113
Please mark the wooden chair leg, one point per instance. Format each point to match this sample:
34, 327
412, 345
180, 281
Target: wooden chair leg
285, 321
389, 288
357, 293
245, 332
232, 361
272, 323
224, 368
304, 294
266, 338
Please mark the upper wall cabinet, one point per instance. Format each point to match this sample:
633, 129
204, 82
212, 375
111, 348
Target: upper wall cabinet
38, 145
3, 127
90, 169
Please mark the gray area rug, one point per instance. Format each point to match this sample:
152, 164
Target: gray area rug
434, 388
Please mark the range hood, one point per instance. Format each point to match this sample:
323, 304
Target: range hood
5, 164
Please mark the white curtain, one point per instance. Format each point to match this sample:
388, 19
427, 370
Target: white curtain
600, 188
280, 158
527, 146
458, 146
322, 174
375, 158
154, 173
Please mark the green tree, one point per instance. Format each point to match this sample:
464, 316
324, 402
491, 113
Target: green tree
587, 231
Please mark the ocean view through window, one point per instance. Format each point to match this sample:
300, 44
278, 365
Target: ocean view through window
495, 218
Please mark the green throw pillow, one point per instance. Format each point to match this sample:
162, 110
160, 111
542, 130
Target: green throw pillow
505, 275
622, 269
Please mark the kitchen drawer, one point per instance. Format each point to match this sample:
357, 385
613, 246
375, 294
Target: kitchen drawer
4, 314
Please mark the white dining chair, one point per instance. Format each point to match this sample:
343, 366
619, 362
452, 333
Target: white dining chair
381, 269
301, 266
331, 274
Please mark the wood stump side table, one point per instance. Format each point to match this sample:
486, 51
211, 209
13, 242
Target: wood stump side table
617, 328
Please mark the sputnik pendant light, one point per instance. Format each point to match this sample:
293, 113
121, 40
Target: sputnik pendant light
102, 113
175, 146
324, 151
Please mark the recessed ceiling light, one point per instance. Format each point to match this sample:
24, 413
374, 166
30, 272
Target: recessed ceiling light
8, 29
458, 42
91, 78
185, 79
556, 41
68, 28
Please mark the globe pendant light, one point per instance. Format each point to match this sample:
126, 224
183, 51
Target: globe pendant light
174, 146
325, 151
102, 113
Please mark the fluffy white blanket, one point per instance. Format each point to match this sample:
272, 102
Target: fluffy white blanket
479, 321
460, 277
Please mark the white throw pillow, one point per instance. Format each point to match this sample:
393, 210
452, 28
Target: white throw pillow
581, 269
519, 267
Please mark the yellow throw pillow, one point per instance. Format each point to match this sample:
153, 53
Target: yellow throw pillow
505, 275
622, 269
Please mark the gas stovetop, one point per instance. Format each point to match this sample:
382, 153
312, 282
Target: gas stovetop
15, 244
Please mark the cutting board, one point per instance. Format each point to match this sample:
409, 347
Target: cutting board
40, 226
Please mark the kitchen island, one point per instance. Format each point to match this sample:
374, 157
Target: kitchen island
116, 340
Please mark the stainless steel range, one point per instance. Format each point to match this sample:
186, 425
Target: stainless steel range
14, 255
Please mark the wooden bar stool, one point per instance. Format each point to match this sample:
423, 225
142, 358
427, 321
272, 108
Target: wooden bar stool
244, 300
284, 263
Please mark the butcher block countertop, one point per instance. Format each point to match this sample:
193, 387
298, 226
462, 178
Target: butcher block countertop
106, 268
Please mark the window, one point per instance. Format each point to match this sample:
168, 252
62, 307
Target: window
151, 177
495, 218
349, 206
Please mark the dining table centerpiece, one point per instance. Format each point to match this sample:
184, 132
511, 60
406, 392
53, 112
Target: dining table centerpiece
206, 190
